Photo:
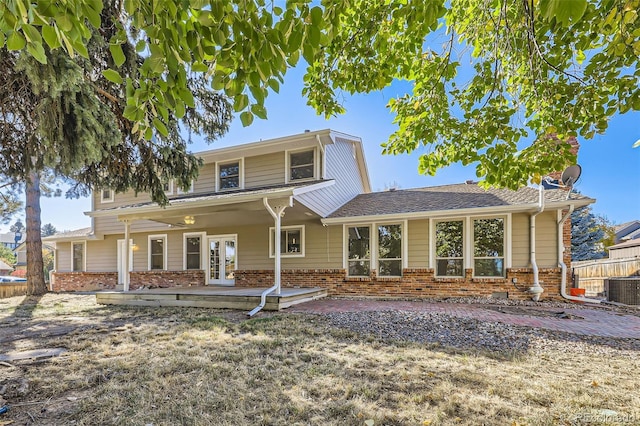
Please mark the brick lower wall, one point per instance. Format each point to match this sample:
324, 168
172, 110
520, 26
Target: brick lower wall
84, 281
413, 283
90, 281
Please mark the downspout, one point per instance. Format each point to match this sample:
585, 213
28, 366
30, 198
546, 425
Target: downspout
536, 290
563, 266
277, 214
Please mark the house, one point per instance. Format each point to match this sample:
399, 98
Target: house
627, 231
5, 269
10, 240
626, 249
334, 232
21, 258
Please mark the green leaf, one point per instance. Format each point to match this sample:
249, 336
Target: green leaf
240, 102
259, 111
16, 41
187, 97
113, 76
37, 51
246, 118
117, 54
565, 11
160, 127
50, 36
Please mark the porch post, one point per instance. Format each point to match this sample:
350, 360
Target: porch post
127, 248
277, 212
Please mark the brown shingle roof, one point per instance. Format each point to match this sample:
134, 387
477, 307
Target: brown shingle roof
446, 197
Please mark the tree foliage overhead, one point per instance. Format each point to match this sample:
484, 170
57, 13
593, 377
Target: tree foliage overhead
487, 75
483, 73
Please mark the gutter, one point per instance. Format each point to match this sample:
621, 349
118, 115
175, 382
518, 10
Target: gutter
536, 290
563, 266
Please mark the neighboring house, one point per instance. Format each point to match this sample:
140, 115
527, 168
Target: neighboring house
5, 269
627, 249
8, 239
627, 231
452, 240
21, 254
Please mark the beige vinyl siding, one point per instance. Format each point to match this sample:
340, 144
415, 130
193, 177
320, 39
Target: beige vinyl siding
520, 240
102, 254
63, 257
263, 170
323, 248
342, 166
546, 240
206, 181
418, 242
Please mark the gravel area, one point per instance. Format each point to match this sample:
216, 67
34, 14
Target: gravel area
471, 334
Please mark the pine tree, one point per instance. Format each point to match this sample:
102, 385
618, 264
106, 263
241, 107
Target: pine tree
587, 235
66, 118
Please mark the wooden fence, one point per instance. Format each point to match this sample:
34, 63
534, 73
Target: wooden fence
592, 273
12, 289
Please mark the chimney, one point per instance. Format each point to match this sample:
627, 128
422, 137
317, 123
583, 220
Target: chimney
575, 147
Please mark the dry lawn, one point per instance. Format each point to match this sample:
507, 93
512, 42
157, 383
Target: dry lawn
170, 366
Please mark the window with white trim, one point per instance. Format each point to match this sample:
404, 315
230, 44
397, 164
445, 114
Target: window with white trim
229, 176
106, 195
193, 250
78, 256
188, 191
390, 250
301, 165
157, 252
167, 186
488, 247
291, 241
450, 248
359, 251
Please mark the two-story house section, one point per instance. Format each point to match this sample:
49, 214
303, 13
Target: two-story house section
335, 233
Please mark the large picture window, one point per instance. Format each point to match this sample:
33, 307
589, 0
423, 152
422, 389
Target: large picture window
291, 241
488, 247
450, 248
389, 250
157, 252
229, 176
77, 257
359, 251
301, 165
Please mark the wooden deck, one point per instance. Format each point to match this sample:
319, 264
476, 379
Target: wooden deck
211, 297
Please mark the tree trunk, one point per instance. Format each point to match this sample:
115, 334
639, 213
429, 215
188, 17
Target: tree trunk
35, 271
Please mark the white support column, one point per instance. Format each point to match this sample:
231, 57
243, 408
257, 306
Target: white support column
277, 212
127, 249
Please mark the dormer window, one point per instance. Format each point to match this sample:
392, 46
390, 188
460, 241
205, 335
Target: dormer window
229, 176
301, 165
106, 195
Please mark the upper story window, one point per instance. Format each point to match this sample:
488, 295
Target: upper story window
230, 175
488, 247
302, 165
167, 186
188, 191
450, 248
106, 195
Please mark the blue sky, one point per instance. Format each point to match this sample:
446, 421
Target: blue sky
611, 167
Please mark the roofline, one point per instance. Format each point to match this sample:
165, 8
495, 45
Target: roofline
360, 159
455, 212
232, 199
238, 150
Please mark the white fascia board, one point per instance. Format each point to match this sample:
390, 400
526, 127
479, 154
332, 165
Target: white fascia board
265, 147
88, 237
308, 188
437, 214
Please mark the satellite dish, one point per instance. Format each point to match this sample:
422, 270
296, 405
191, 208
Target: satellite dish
571, 175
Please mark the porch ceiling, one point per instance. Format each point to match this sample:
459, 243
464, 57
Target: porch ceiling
249, 213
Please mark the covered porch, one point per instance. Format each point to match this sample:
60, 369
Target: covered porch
211, 297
